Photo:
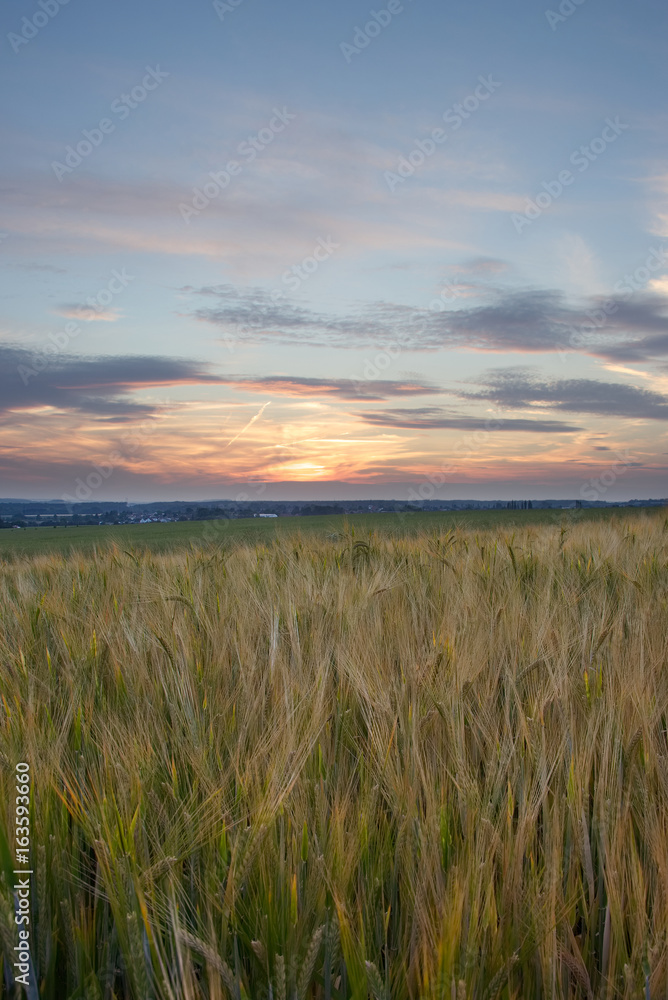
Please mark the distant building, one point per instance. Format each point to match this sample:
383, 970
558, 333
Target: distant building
267, 515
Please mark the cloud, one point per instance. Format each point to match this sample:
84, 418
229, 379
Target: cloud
492, 201
482, 266
522, 321
253, 315
439, 418
341, 388
268, 218
519, 388
645, 316
88, 313
97, 386
49, 268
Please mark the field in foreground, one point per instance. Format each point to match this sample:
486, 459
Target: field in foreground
432, 765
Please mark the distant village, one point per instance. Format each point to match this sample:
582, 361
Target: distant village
57, 514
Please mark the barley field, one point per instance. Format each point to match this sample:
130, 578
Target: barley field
430, 765
166, 537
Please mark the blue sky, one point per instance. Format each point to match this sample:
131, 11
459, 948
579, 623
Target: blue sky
334, 249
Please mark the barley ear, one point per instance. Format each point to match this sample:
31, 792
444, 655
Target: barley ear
308, 966
376, 984
279, 971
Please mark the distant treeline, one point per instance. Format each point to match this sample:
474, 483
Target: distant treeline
29, 513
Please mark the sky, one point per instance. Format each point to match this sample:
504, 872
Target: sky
328, 250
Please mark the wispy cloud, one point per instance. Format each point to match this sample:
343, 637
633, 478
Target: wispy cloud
482, 266
523, 321
47, 268
88, 313
99, 386
341, 388
440, 418
521, 388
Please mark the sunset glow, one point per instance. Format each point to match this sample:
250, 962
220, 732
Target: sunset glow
438, 259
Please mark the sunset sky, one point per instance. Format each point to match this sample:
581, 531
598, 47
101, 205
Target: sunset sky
334, 249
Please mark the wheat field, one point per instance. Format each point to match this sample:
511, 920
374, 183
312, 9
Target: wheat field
432, 766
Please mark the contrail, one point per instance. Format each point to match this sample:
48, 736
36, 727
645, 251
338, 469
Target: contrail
250, 422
